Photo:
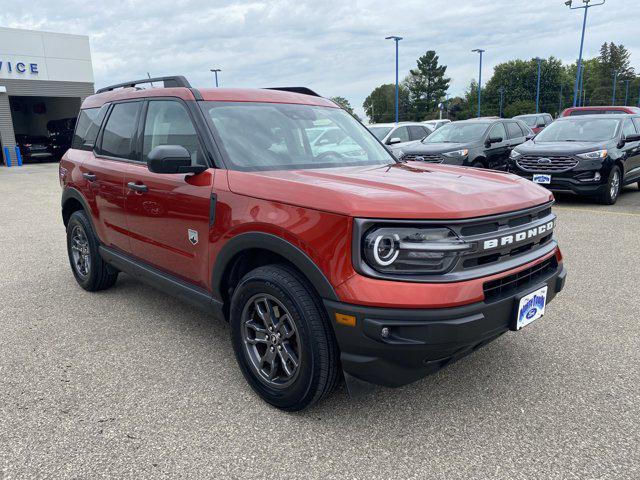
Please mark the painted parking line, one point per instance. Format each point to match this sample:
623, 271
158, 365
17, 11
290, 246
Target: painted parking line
593, 210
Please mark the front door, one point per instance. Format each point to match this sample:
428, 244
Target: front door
498, 152
169, 214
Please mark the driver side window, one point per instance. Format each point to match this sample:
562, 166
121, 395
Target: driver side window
498, 131
402, 133
628, 128
168, 123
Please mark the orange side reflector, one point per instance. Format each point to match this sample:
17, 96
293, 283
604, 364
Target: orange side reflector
346, 320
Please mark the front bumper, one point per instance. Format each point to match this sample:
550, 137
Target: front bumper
577, 180
422, 341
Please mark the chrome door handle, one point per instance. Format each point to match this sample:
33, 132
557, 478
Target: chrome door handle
89, 176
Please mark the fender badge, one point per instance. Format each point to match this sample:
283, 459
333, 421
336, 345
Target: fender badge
193, 236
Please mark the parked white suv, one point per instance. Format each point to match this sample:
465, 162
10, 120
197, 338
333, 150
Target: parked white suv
400, 133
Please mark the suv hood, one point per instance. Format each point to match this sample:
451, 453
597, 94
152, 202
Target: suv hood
409, 190
559, 148
434, 148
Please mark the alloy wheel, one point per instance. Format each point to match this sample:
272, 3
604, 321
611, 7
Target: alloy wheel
80, 252
615, 185
271, 340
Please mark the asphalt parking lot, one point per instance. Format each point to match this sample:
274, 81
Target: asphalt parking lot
130, 383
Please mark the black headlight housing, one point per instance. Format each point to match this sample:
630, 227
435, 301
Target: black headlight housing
391, 250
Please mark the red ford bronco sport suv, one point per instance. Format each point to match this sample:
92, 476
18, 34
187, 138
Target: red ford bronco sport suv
325, 257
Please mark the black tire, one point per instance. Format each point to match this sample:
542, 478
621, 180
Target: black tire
97, 275
614, 185
318, 366
477, 164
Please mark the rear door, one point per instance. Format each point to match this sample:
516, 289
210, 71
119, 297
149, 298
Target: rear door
104, 171
169, 214
497, 153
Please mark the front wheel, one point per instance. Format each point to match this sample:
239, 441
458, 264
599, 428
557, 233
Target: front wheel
612, 190
282, 340
477, 164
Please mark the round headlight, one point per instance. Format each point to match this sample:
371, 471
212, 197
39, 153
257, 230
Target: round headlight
386, 249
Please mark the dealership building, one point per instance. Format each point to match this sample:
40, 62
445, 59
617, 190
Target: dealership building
43, 77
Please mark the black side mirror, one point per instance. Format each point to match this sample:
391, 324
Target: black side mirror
531, 136
394, 141
171, 159
492, 140
541, 125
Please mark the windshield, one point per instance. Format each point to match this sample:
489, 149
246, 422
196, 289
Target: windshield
279, 136
380, 132
587, 129
457, 133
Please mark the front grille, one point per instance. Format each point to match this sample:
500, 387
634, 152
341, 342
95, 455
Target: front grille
552, 164
416, 157
520, 280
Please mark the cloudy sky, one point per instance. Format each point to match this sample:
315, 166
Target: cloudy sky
334, 47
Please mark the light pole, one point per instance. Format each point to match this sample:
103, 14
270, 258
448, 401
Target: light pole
480, 51
560, 101
501, 90
586, 7
615, 81
538, 86
396, 39
626, 93
215, 72
581, 90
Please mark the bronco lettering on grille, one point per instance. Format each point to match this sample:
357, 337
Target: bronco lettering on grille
519, 236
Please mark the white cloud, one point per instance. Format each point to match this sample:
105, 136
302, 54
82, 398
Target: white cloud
334, 47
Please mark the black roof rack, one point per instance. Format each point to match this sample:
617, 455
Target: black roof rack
302, 90
174, 81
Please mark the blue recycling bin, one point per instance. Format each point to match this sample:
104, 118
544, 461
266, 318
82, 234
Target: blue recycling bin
7, 156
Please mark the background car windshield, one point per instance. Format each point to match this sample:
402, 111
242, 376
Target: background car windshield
273, 136
580, 130
530, 121
380, 132
457, 133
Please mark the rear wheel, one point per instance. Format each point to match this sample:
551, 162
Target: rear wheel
283, 342
612, 190
88, 267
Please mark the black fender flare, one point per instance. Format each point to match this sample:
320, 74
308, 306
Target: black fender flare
277, 245
71, 193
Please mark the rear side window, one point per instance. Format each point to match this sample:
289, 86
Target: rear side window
636, 121
514, 130
117, 138
548, 119
87, 127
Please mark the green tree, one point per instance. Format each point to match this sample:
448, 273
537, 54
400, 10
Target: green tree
344, 103
379, 106
427, 85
